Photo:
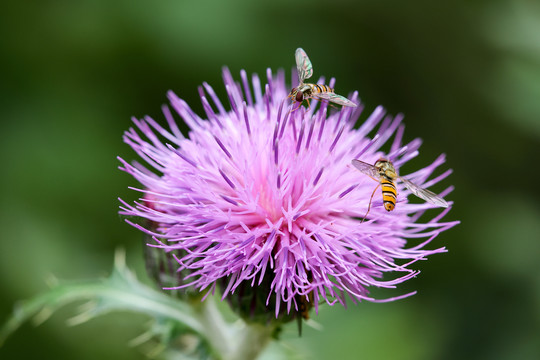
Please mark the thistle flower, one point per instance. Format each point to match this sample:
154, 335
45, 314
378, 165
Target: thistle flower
262, 200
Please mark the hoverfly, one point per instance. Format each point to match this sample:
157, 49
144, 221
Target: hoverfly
306, 91
384, 172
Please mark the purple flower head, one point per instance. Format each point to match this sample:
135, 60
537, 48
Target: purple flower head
261, 196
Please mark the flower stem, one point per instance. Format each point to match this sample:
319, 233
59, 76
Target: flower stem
216, 330
252, 340
238, 341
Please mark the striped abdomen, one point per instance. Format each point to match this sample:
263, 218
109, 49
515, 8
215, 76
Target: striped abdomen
389, 194
319, 88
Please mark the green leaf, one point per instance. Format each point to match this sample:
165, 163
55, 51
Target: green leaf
121, 291
183, 330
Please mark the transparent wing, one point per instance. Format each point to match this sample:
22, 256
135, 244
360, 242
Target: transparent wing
335, 98
424, 193
366, 168
305, 69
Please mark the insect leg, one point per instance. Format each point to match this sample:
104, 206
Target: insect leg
325, 101
370, 199
334, 106
298, 107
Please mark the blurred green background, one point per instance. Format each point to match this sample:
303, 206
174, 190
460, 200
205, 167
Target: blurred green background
466, 75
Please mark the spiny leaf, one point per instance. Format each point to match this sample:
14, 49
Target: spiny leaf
121, 291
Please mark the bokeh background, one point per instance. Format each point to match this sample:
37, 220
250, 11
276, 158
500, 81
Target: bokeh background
466, 75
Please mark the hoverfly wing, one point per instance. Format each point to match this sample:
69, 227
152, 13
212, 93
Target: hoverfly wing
305, 69
366, 168
424, 194
335, 98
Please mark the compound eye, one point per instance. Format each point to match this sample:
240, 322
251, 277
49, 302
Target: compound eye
299, 96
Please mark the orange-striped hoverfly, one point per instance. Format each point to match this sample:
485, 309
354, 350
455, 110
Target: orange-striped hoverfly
306, 91
384, 172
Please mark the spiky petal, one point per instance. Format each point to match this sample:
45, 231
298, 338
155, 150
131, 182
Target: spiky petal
262, 193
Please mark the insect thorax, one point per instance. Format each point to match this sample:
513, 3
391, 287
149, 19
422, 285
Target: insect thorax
386, 169
306, 88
